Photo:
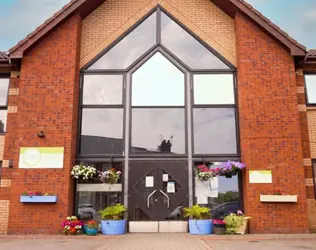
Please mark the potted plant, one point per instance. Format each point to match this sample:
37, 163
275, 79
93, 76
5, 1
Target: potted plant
219, 227
201, 222
38, 197
71, 225
110, 176
91, 227
82, 172
236, 223
113, 222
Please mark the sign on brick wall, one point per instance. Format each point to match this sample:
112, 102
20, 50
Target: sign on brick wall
260, 176
41, 157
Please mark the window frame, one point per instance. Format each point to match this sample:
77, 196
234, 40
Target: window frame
182, 69
101, 106
217, 106
313, 73
5, 107
127, 79
314, 175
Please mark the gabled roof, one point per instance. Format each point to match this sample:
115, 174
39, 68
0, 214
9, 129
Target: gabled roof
311, 55
3, 57
85, 7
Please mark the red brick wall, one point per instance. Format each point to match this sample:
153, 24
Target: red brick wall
269, 129
48, 101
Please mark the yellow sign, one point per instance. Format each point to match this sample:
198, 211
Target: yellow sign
260, 176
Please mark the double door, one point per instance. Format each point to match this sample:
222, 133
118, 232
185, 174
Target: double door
158, 190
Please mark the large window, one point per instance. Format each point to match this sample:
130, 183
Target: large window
158, 91
311, 88
4, 87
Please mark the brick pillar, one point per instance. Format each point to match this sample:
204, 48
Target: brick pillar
48, 101
269, 129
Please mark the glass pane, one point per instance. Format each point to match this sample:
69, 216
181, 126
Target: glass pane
130, 48
158, 131
4, 87
158, 83
214, 131
311, 88
103, 89
221, 194
3, 121
186, 47
102, 131
214, 89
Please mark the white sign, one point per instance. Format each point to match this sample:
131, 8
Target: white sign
206, 189
149, 182
260, 176
165, 177
171, 187
41, 157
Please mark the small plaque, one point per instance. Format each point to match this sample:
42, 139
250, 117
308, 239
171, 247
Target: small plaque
149, 181
171, 187
260, 176
165, 177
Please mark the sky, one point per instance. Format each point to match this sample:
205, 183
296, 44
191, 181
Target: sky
20, 17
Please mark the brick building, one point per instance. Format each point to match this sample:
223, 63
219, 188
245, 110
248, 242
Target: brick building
199, 80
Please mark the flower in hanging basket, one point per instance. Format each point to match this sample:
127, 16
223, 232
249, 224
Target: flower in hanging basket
110, 176
230, 168
81, 172
204, 173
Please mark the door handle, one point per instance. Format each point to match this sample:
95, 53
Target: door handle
168, 202
152, 193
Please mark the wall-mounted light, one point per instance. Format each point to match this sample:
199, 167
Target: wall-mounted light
41, 134
10, 163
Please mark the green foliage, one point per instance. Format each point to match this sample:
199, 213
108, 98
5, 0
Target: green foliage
233, 222
197, 212
116, 212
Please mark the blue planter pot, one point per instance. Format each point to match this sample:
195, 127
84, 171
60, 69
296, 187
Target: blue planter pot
200, 226
90, 231
113, 227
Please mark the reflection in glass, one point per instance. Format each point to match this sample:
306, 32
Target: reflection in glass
128, 50
4, 87
214, 89
311, 88
158, 131
3, 120
103, 89
102, 131
221, 194
158, 83
214, 131
186, 47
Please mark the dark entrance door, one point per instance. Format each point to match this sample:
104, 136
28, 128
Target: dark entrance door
157, 190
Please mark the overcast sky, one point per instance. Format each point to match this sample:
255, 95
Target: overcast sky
20, 17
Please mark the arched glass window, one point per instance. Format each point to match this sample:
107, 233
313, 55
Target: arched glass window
155, 87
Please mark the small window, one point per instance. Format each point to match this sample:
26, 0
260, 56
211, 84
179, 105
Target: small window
130, 48
4, 87
102, 131
186, 47
214, 89
103, 90
214, 131
311, 88
158, 83
314, 175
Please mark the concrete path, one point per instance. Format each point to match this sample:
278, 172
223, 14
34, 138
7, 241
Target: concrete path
159, 242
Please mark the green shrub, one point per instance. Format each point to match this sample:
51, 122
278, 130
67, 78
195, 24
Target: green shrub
197, 212
233, 222
116, 212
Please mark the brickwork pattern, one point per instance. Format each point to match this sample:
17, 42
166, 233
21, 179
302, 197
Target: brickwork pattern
269, 129
113, 18
4, 215
48, 101
311, 118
